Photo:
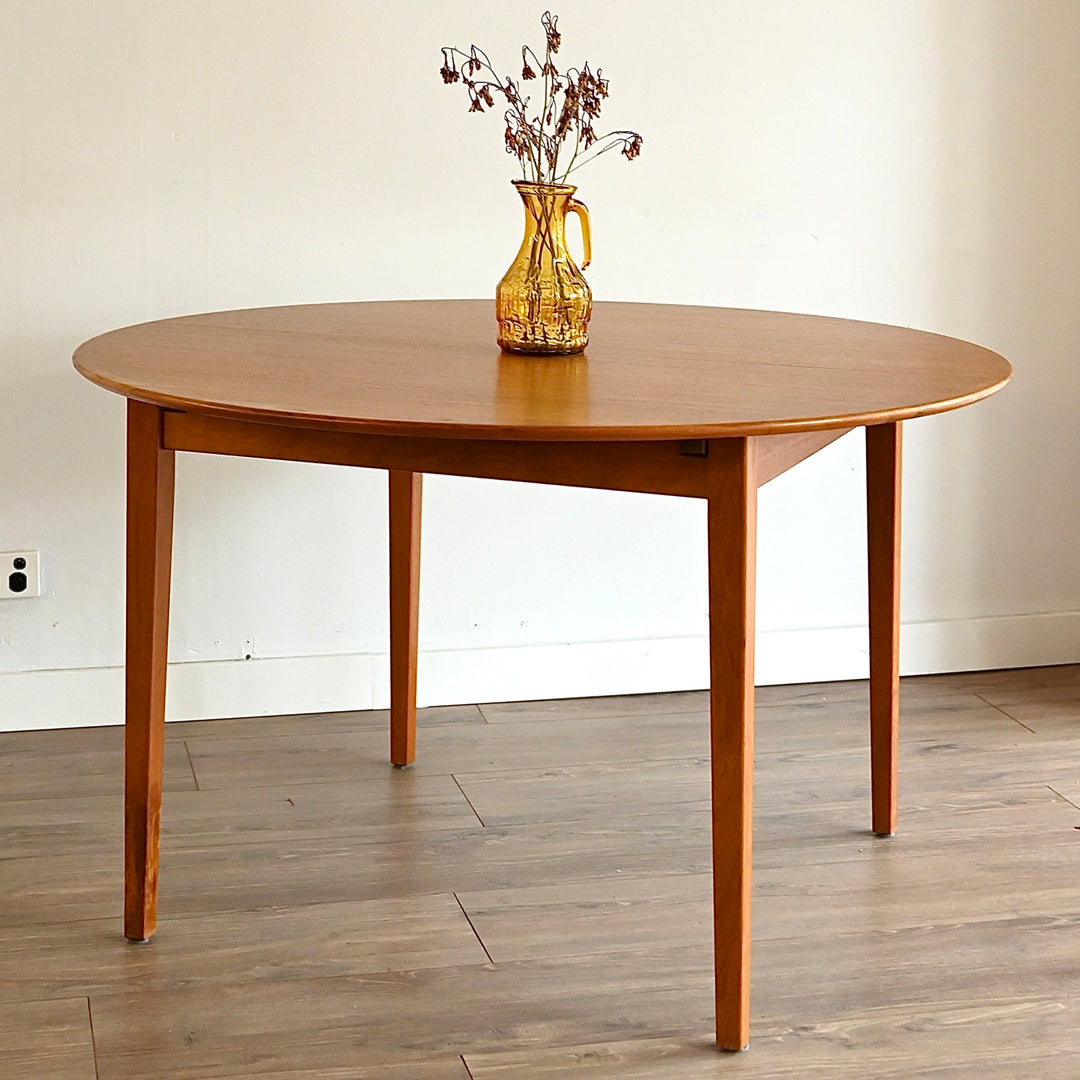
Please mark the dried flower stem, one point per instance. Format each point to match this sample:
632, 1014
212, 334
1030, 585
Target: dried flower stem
572, 99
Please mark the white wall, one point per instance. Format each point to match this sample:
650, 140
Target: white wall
906, 161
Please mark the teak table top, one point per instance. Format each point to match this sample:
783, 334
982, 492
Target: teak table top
651, 371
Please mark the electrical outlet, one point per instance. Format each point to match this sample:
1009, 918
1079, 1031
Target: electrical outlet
20, 574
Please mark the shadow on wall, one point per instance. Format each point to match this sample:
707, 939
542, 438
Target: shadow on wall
1007, 273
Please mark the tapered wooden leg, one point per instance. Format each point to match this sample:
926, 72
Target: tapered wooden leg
732, 510
405, 502
883, 463
150, 479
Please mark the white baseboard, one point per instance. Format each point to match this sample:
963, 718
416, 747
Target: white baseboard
86, 697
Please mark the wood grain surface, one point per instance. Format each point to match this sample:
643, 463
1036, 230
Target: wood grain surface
150, 487
652, 371
506, 909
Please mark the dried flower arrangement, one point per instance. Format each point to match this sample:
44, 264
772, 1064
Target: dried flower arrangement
559, 138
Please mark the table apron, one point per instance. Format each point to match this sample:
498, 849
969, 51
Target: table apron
667, 467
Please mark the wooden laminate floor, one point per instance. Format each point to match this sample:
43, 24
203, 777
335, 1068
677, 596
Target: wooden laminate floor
532, 899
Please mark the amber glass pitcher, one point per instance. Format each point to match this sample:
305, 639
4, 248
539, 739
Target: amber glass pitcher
543, 302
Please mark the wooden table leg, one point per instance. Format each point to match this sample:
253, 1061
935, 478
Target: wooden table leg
405, 502
150, 480
883, 464
732, 512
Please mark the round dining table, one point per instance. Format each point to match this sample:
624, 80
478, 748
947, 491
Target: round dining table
699, 402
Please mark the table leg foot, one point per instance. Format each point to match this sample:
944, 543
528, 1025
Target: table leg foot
149, 560
883, 468
732, 512
405, 503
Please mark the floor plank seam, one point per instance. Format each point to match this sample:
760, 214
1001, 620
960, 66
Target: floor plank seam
1004, 712
575, 762
474, 930
191, 763
93, 1041
483, 823
1065, 798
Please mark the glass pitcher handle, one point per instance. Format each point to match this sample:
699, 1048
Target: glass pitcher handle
582, 212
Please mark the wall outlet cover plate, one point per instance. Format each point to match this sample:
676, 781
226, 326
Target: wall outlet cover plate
20, 574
